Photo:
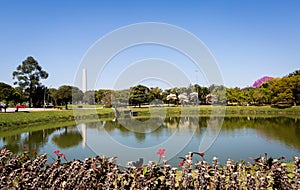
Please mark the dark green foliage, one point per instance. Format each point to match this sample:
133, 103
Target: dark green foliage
28, 76
67, 94
202, 93
139, 95
8, 93
295, 73
155, 94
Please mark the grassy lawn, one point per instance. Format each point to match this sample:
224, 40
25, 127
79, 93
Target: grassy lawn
205, 110
19, 119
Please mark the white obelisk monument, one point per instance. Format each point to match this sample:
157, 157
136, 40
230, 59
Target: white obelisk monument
84, 89
84, 80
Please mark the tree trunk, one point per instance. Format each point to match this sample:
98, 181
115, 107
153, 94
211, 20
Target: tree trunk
30, 99
30, 95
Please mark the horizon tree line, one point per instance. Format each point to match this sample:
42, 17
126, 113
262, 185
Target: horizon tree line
30, 90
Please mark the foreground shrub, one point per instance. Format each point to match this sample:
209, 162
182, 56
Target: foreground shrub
27, 172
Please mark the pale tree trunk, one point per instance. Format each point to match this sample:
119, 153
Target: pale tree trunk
30, 95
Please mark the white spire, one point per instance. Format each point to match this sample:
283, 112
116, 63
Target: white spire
84, 80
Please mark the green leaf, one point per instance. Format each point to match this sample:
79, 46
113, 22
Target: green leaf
145, 170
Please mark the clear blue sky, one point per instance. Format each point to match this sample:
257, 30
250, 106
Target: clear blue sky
249, 39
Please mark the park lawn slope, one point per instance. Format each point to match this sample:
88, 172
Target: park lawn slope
206, 110
19, 119
22, 119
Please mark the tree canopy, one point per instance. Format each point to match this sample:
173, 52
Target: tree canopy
139, 95
68, 94
28, 76
274, 91
8, 93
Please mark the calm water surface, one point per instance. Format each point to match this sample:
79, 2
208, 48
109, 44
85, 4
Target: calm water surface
239, 138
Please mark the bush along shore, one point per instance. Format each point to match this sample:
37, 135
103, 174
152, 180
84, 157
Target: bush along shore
31, 171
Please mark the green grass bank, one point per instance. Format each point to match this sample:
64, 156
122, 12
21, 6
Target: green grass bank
22, 119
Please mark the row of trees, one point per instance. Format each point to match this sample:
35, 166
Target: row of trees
279, 90
285, 90
29, 74
276, 90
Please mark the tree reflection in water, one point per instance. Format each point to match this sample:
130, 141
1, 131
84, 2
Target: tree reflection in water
283, 132
68, 138
32, 140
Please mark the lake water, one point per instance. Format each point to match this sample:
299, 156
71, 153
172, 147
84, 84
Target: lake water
238, 138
